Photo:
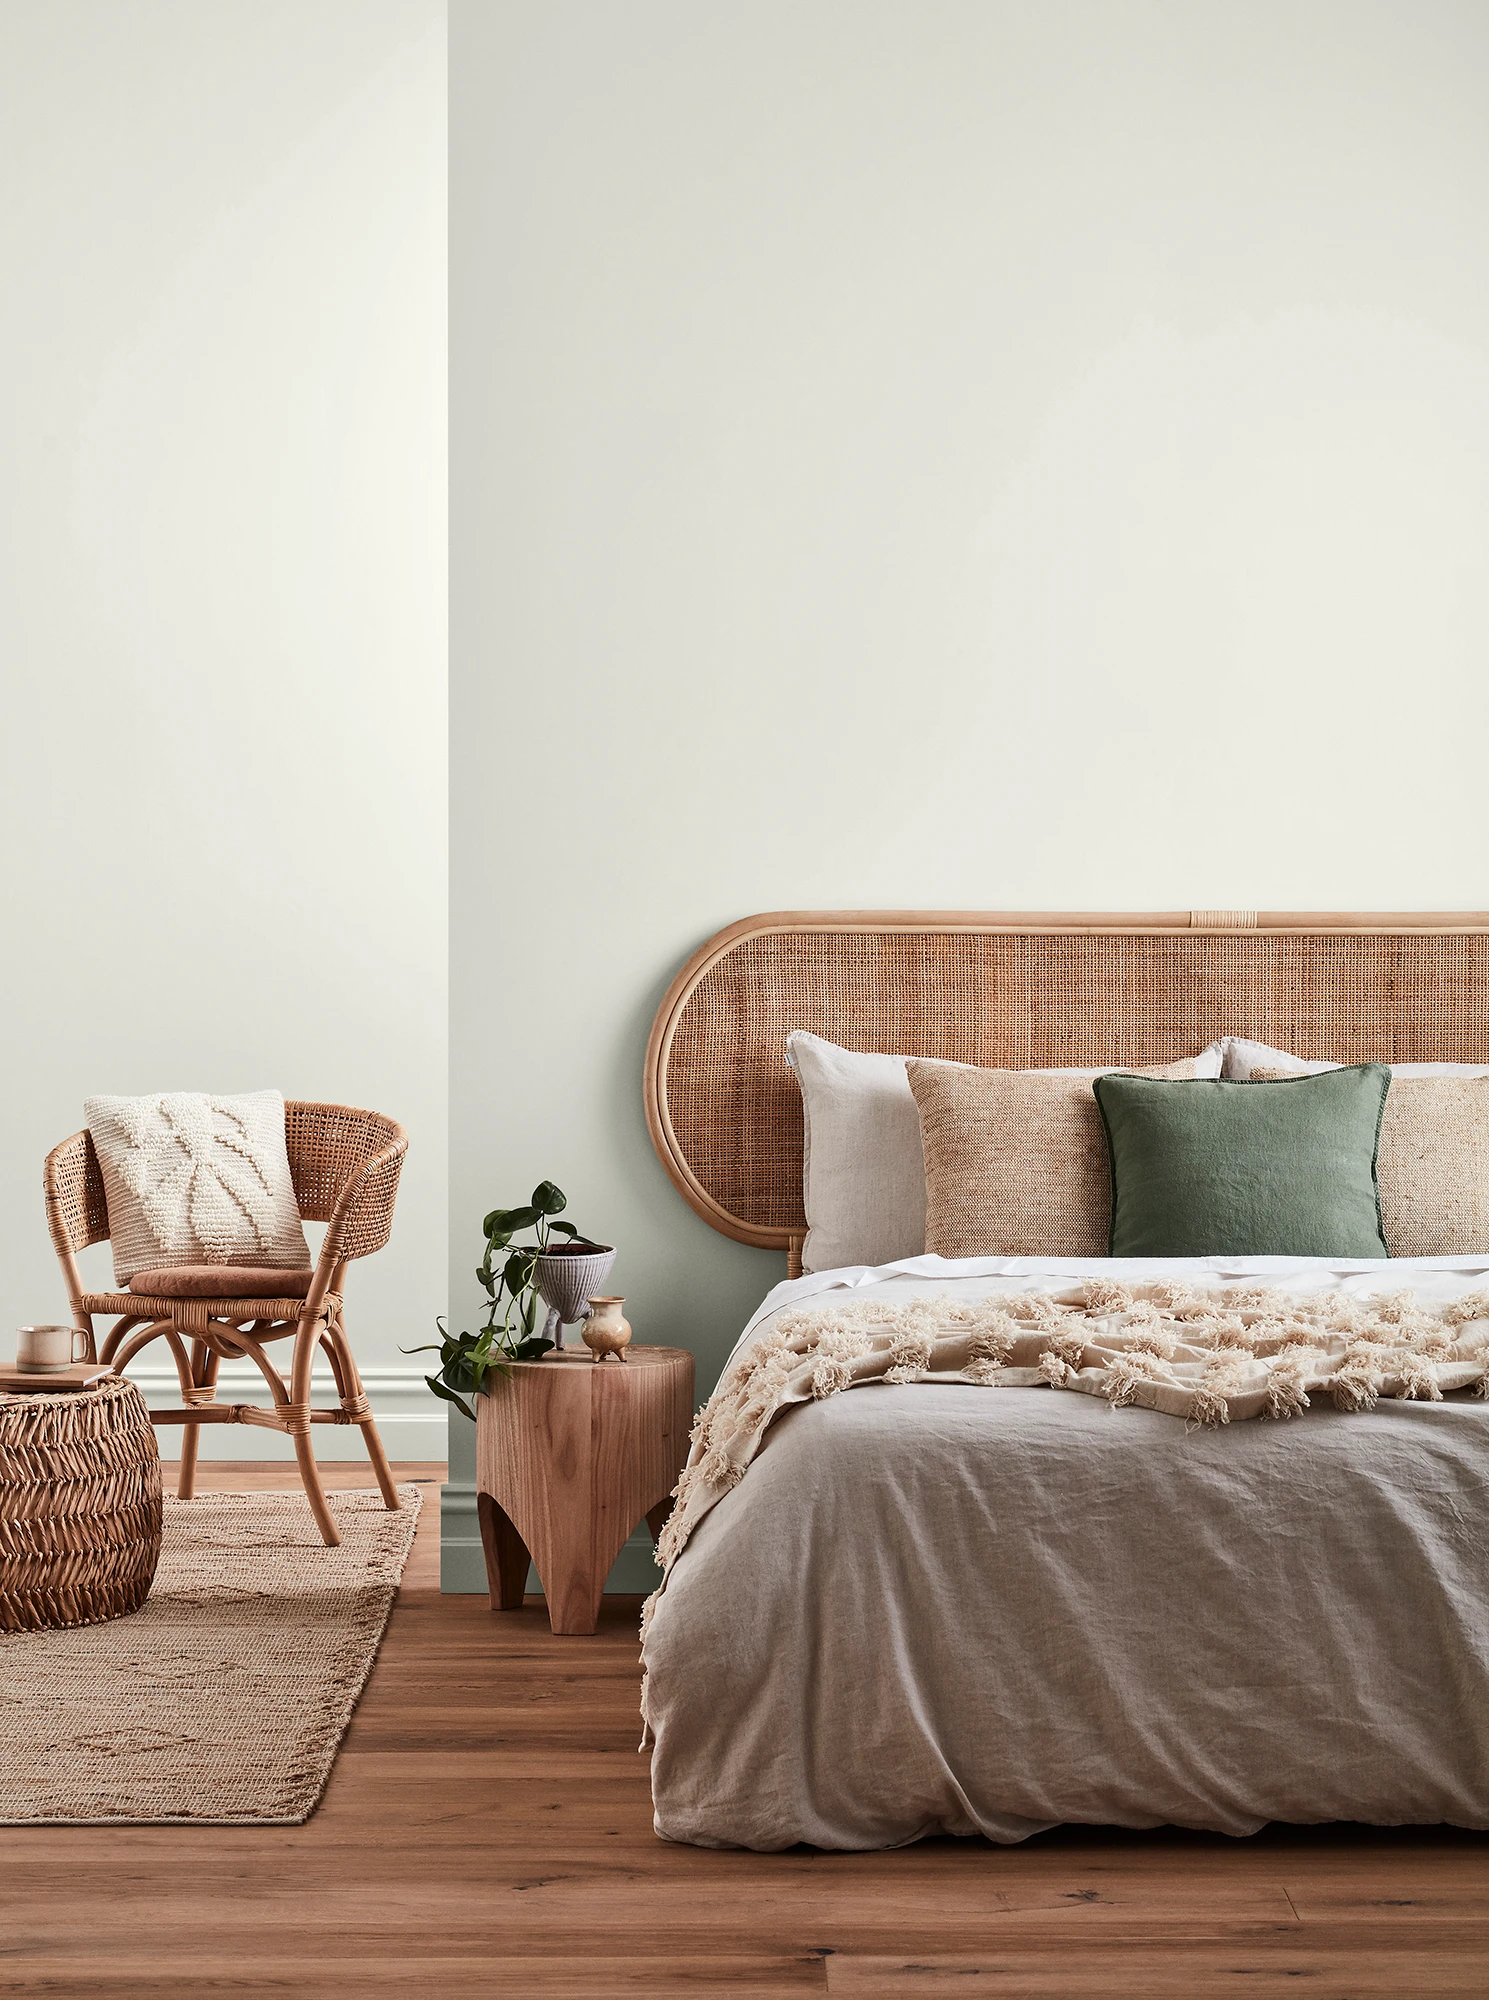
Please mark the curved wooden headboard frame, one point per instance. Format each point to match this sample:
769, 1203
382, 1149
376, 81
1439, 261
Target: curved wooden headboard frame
1279, 975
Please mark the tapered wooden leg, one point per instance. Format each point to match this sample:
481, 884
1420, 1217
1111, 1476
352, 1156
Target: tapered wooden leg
506, 1554
574, 1591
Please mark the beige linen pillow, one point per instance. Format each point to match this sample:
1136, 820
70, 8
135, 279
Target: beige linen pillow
195, 1179
1432, 1163
1015, 1161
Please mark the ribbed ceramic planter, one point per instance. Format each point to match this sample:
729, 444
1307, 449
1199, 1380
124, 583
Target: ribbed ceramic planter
566, 1278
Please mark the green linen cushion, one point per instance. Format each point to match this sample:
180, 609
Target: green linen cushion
1231, 1169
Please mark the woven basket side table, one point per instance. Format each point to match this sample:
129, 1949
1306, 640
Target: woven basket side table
80, 1510
570, 1454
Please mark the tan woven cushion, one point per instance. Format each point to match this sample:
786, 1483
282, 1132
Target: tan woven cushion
220, 1281
1015, 1161
1432, 1164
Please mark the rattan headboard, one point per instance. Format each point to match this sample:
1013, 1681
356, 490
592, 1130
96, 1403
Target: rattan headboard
1023, 990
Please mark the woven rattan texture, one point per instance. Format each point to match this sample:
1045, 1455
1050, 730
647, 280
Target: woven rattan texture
77, 1208
1021, 1000
80, 1507
329, 1145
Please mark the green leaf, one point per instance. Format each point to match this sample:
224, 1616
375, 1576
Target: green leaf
529, 1350
443, 1346
562, 1229
548, 1199
518, 1270
449, 1396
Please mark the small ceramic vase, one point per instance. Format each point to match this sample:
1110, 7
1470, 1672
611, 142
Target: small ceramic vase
607, 1330
565, 1278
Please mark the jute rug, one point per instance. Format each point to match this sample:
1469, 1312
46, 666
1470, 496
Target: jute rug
225, 1698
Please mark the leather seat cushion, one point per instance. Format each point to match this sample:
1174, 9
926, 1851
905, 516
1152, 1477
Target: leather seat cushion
220, 1281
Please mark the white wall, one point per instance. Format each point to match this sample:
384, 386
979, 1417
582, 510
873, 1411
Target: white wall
938, 453
222, 541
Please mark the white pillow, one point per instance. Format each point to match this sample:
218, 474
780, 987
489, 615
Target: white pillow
194, 1179
862, 1167
1242, 1057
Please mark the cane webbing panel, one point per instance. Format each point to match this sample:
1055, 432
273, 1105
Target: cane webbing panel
724, 1107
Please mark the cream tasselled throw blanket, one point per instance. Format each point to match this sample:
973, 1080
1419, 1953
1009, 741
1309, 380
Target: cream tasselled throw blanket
1204, 1357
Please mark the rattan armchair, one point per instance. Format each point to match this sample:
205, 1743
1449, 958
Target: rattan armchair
345, 1166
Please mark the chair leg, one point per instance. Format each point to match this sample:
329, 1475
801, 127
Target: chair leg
349, 1384
380, 1465
315, 1493
300, 1429
204, 1365
186, 1476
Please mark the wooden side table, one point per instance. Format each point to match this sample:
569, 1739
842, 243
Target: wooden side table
570, 1454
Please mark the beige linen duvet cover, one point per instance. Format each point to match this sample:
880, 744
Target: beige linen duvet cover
937, 1607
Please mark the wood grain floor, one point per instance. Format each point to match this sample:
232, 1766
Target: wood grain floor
487, 1831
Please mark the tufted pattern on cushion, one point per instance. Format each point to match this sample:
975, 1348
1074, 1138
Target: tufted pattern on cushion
196, 1179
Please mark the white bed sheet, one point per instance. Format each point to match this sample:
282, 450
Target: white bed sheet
934, 1608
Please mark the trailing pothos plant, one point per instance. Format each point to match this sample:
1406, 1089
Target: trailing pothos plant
467, 1359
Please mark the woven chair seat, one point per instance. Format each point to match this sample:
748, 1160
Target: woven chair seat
137, 1305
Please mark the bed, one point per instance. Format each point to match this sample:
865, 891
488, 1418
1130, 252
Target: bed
926, 1608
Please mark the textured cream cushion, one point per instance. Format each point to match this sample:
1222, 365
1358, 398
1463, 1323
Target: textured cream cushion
1432, 1162
193, 1179
1015, 1160
863, 1171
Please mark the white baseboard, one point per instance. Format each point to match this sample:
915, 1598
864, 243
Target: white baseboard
410, 1421
462, 1566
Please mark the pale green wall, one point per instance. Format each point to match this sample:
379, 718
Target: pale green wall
222, 602
959, 454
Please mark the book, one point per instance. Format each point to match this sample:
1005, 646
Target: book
51, 1381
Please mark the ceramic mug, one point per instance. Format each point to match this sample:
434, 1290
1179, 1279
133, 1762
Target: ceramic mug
40, 1349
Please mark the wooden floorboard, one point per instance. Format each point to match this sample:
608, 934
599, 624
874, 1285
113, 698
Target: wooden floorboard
487, 1831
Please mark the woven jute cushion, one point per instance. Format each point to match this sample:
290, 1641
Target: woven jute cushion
1015, 1161
80, 1511
1432, 1163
